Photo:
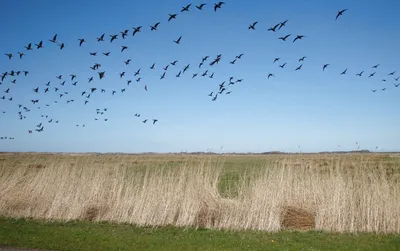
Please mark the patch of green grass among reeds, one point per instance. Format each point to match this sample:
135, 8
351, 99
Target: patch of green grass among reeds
81, 235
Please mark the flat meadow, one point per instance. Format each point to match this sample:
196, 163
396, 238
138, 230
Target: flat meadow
349, 193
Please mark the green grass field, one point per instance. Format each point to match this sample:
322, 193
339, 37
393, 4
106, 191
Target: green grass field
200, 202
105, 236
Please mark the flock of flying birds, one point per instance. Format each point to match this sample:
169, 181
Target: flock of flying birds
9, 78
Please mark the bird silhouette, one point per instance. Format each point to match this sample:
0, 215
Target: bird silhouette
298, 37
340, 13
274, 28
299, 68
360, 74
54, 39
81, 41
154, 27
200, 7
163, 75
154, 121
39, 45
178, 40
29, 47
344, 72
123, 47
252, 26
285, 37
186, 8
136, 30
172, 16
282, 24
270, 75
101, 38
376, 66
324, 66
218, 6
113, 37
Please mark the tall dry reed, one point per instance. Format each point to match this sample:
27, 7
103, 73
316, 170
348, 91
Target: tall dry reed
340, 197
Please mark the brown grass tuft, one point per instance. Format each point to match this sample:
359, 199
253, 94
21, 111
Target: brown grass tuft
36, 166
294, 218
94, 213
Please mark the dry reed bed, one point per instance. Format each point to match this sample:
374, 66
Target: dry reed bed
340, 195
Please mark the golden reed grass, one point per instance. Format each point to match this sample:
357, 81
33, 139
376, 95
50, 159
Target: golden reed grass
339, 196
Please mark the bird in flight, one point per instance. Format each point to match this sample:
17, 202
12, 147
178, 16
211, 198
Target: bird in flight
9, 55
113, 37
154, 27
360, 74
101, 38
186, 8
371, 75
298, 37
123, 47
302, 59
340, 13
299, 68
274, 27
271, 75
252, 26
172, 16
40, 45
81, 41
344, 72
282, 24
218, 6
276, 59
376, 66
29, 47
178, 40
239, 56
53, 40
200, 7
392, 73
324, 67
285, 37
136, 30
154, 121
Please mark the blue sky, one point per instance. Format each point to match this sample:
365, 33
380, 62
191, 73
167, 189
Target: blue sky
318, 110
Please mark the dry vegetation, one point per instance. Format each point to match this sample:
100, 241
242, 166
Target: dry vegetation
340, 193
